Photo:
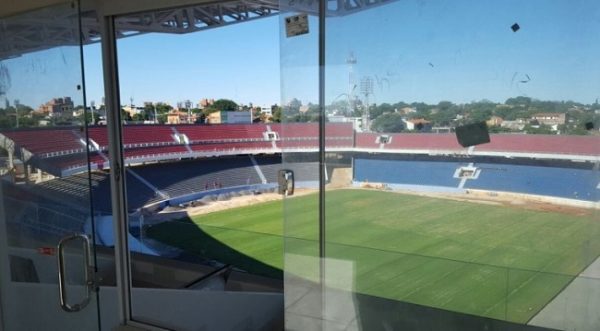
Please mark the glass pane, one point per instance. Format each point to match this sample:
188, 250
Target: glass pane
300, 149
201, 154
45, 186
430, 225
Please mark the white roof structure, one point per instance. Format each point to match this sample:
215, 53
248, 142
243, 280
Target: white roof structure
39, 29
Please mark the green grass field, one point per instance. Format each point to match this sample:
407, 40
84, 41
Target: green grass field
494, 261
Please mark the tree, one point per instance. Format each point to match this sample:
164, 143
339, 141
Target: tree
209, 110
142, 116
340, 107
225, 105
162, 108
201, 119
276, 110
91, 118
445, 105
390, 122
125, 116
376, 111
293, 106
479, 115
518, 101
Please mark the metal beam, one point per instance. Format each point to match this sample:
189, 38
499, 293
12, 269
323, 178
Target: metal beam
49, 27
117, 174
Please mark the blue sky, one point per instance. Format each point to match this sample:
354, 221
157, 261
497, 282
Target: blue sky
465, 50
240, 62
413, 51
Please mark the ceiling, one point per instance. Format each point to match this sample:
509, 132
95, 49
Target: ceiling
32, 25
13, 7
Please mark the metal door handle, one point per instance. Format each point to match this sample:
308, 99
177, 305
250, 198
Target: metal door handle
90, 280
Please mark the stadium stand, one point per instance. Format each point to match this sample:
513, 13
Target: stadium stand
367, 140
424, 141
305, 135
406, 172
74, 191
47, 142
56, 165
37, 210
551, 144
298, 144
503, 143
213, 147
222, 132
296, 130
311, 130
160, 150
303, 171
147, 135
60, 151
135, 136
186, 177
158, 140
579, 182
99, 135
175, 179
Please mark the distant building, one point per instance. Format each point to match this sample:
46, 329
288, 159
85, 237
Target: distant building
133, 110
205, 103
180, 117
494, 121
407, 110
517, 125
230, 117
57, 106
418, 124
550, 119
267, 110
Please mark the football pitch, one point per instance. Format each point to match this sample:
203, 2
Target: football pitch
496, 261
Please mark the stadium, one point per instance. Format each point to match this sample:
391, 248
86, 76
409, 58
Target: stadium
375, 165
419, 196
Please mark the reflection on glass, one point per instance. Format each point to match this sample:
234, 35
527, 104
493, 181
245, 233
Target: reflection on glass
425, 232
199, 143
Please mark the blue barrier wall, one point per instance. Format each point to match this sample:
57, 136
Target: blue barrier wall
580, 184
573, 183
406, 172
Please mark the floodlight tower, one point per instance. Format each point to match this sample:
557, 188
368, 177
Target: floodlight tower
366, 88
351, 61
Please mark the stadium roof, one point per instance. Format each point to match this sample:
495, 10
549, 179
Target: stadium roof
42, 30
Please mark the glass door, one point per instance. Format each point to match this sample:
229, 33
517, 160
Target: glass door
458, 157
48, 277
197, 95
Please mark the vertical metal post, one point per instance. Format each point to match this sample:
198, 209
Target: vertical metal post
117, 168
322, 177
88, 152
5, 291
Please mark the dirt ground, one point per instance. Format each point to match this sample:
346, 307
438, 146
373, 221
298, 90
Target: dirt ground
507, 199
246, 200
490, 198
215, 206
